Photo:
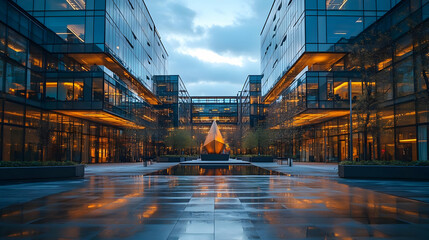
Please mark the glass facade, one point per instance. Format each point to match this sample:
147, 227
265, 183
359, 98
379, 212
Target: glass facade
251, 110
294, 28
388, 59
56, 107
223, 110
175, 111
123, 31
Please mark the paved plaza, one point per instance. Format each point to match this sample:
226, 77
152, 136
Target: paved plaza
118, 202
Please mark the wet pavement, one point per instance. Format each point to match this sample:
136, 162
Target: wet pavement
124, 205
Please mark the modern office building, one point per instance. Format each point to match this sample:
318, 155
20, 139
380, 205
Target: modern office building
77, 80
175, 110
251, 109
223, 110
316, 55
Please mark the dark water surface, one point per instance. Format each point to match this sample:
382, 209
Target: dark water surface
214, 170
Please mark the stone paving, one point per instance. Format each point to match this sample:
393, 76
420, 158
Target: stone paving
416, 190
118, 202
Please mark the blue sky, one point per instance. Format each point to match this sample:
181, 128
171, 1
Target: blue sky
212, 44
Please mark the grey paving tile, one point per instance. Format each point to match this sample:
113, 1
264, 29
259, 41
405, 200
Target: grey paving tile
121, 204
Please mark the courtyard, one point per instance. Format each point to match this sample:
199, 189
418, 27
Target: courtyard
119, 201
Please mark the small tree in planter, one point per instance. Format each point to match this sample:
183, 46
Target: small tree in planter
259, 140
179, 140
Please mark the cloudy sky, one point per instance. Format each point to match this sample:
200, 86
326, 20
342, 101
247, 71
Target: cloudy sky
212, 44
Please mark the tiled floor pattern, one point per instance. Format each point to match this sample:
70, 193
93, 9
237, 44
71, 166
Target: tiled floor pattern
222, 207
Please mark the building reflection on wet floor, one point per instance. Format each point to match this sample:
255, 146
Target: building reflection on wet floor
216, 207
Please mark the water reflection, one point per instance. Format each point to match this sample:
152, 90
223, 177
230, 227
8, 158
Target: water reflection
230, 207
214, 170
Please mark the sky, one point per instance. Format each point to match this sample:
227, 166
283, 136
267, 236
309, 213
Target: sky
212, 44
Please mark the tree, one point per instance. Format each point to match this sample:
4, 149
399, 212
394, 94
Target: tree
179, 140
368, 52
258, 139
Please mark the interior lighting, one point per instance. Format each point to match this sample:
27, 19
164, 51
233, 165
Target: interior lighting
344, 3
76, 4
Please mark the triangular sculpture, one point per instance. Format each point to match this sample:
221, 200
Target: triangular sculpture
214, 143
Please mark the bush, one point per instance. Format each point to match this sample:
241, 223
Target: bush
174, 156
256, 155
35, 164
385, 163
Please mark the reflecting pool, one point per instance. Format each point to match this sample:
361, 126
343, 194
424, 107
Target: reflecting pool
215, 170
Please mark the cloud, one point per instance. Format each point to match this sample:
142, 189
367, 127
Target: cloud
221, 13
209, 56
211, 41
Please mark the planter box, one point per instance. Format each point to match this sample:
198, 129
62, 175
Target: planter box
171, 159
258, 159
214, 157
191, 158
25, 173
383, 172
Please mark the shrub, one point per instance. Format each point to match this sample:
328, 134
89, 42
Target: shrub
35, 164
385, 163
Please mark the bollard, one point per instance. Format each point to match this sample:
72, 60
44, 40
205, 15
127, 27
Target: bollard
290, 162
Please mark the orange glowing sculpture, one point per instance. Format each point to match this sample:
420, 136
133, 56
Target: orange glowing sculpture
214, 143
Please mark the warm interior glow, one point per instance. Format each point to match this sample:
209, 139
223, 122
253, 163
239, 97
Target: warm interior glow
102, 117
323, 60
102, 59
76, 4
404, 51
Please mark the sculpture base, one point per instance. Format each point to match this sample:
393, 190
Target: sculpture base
214, 157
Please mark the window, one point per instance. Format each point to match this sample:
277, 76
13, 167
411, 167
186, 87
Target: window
1, 75
405, 114
78, 90
36, 58
51, 90
97, 89
404, 48
13, 113
370, 4
2, 38
31, 151
343, 28
34, 86
406, 145
17, 47
423, 143
284, 40
404, 77
65, 90
13, 138
383, 5
65, 4
344, 5
129, 43
312, 89
311, 4
15, 80
131, 5
311, 29
71, 29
